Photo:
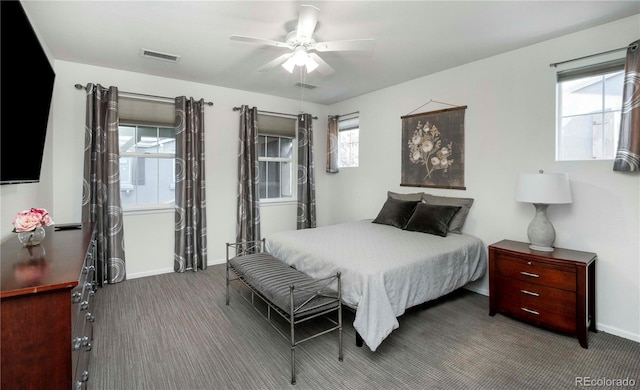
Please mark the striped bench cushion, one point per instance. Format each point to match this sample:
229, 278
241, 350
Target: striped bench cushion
272, 278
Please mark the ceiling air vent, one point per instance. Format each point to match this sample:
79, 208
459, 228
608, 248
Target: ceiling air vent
307, 86
159, 56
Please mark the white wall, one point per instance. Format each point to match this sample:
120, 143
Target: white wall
510, 128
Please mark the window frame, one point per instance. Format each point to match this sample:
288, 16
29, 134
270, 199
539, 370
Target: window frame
604, 70
137, 208
293, 160
345, 128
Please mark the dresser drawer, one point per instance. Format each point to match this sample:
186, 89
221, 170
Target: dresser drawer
82, 320
81, 345
81, 363
543, 305
536, 272
81, 299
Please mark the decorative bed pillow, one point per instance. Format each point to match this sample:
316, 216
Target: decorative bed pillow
431, 219
455, 226
415, 197
395, 212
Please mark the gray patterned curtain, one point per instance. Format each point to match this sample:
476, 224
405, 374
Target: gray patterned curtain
191, 204
332, 144
628, 155
248, 219
306, 180
101, 182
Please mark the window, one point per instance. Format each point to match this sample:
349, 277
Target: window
276, 153
147, 165
348, 141
589, 105
147, 153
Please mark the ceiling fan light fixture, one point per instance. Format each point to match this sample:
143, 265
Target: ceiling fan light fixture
300, 56
311, 65
289, 64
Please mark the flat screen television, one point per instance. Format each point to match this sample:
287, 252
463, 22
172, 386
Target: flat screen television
26, 87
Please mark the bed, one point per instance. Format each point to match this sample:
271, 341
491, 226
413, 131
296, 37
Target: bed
385, 268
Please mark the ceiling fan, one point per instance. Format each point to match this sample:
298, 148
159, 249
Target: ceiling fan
301, 44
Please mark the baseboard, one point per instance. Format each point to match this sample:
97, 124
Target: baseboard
216, 262
618, 332
149, 273
167, 270
482, 291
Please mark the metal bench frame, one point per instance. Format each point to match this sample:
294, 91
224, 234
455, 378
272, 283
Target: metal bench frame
299, 313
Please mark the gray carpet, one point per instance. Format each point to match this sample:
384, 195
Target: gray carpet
173, 331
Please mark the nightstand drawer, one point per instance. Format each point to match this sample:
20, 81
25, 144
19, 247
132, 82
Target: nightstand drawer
537, 273
552, 302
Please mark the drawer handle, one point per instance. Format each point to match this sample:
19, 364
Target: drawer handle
529, 274
76, 296
530, 311
534, 294
80, 342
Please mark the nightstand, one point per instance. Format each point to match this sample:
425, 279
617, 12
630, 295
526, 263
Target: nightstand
555, 289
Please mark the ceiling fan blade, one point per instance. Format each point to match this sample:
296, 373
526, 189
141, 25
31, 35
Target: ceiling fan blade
260, 41
307, 21
272, 64
348, 45
324, 68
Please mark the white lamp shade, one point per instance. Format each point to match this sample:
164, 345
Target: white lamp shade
289, 64
545, 188
311, 65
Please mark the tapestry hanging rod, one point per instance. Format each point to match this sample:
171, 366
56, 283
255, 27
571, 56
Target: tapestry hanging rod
142, 95
633, 46
431, 101
272, 112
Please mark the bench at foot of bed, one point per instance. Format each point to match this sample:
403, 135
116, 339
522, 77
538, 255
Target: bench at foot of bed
292, 294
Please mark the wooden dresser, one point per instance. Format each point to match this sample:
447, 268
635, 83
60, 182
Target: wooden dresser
550, 289
45, 300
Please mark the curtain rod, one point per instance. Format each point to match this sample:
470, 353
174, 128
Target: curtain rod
341, 115
80, 86
272, 112
632, 47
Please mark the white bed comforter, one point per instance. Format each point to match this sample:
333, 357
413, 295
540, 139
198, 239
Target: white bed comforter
385, 270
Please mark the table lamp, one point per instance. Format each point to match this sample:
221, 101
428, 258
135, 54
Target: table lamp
542, 189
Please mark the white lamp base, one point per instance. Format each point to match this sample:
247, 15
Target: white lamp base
542, 248
541, 232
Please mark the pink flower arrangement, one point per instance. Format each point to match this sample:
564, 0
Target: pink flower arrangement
29, 220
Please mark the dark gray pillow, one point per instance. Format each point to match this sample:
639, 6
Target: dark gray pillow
431, 219
395, 212
415, 197
455, 226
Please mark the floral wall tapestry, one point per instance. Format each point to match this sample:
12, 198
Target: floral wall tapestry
433, 149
